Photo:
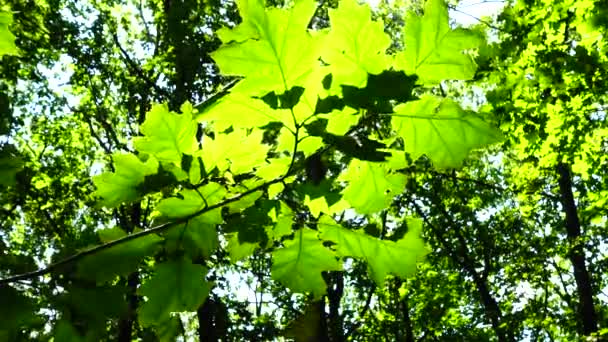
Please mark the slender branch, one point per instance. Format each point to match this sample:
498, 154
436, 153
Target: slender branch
363, 312
487, 23
137, 69
157, 229
478, 182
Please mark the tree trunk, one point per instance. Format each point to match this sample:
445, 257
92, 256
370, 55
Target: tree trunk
206, 328
335, 290
125, 325
576, 254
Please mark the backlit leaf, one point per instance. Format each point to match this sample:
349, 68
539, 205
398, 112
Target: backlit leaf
192, 201
382, 256
299, 264
197, 237
433, 51
441, 130
240, 111
167, 135
7, 39
272, 48
356, 45
120, 186
371, 185
121, 259
237, 150
176, 286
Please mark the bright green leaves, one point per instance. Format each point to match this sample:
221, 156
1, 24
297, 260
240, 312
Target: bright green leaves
168, 135
441, 130
120, 186
299, 264
121, 259
177, 285
271, 48
340, 121
356, 45
371, 186
282, 221
382, 256
237, 150
192, 201
240, 111
433, 51
7, 39
197, 238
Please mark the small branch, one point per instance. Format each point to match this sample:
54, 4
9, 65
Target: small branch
137, 69
363, 312
156, 229
487, 23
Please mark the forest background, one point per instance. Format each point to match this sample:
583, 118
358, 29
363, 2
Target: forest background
210, 170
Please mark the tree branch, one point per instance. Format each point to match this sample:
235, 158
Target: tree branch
157, 229
137, 69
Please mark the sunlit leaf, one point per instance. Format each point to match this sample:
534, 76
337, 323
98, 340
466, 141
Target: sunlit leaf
433, 51
176, 286
192, 201
356, 45
120, 186
383, 257
441, 130
121, 259
167, 135
240, 111
7, 39
237, 150
371, 185
272, 48
299, 264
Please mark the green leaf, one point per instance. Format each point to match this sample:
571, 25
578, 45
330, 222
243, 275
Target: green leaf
433, 51
299, 264
192, 201
278, 167
7, 39
307, 144
371, 186
238, 250
382, 256
441, 130
122, 259
356, 45
245, 112
64, 331
121, 186
237, 150
340, 121
176, 286
168, 135
198, 238
282, 222
271, 48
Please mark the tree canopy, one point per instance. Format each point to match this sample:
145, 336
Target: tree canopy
185, 170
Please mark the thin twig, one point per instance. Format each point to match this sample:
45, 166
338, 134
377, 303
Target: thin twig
137, 69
